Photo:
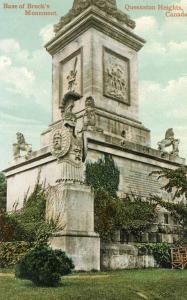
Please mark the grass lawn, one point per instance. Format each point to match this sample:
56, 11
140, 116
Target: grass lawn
116, 285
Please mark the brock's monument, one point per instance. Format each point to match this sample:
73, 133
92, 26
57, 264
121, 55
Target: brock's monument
95, 111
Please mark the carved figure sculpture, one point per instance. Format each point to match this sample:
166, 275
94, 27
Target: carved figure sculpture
115, 82
169, 141
68, 102
68, 148
21, 145
72, 77
89, 118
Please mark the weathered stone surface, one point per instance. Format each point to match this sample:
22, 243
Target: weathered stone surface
117, 256
108, 6
94, 57
73, 206
21, 146
169, 140
139, 162
84, 250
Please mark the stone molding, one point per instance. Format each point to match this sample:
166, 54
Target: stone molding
107, 6
103, 143
94, 18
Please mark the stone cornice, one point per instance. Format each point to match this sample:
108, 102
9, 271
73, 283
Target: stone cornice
102, 143
133, 148
94, 18
109, 7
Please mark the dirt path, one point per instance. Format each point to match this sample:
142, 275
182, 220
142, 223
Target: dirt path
6, 275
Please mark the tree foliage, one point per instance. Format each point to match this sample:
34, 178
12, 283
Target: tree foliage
136, 215
3, 187
28, 224
176, 181
132, 214
177, 184
160, 251
12, 252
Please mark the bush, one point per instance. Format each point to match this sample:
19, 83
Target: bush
28, 224
44, 266
11, 253
32, 215
160, 251
10, 228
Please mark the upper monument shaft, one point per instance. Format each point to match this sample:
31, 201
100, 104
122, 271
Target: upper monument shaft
103, 3
108, 6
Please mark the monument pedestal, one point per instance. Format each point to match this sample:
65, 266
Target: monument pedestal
73, 206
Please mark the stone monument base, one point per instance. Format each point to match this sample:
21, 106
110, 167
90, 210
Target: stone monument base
84, 249
72, 204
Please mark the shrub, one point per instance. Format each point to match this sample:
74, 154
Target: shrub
44, 266
132, 215
28, 224
10, 228
160, 251
11, 253
32, 215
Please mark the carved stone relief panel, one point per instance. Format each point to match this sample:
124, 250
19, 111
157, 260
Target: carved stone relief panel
116, 76
71, 74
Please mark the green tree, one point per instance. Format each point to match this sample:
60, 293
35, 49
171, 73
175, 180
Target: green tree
176, 182
3, 187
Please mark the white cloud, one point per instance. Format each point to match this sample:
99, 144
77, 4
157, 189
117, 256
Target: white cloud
12, 47
47, 33
146, 25
9, 45
172, 49
164, 106
7, 119
4, 62
174, 91
17, 79
24, 73
175, 113
9, 125
178, 46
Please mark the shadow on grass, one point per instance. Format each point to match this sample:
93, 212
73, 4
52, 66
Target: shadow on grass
63, 284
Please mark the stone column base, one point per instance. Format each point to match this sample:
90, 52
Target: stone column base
83, 248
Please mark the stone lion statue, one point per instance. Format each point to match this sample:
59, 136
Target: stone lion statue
21, 145
169, 140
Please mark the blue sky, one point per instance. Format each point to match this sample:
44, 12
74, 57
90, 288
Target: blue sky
25, 72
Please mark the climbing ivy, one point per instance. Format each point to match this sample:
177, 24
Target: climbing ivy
132, 214
103, 175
